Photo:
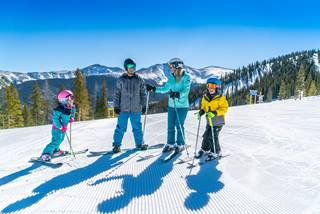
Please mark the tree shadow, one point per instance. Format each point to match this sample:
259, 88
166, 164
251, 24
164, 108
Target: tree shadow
206, 181
146, 183
67, 180
7, 179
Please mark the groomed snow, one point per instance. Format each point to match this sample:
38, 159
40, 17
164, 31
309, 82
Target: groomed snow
274, 167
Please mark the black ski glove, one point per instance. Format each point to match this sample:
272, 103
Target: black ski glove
150, 88
117, 110
143, 110
174, 95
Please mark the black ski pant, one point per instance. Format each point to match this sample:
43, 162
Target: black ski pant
207, 142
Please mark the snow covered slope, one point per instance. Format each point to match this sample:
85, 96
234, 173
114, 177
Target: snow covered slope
274, 167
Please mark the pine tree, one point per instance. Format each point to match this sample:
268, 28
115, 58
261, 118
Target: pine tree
62, 87
269, 95
13, 108
102, 103
38, 105
300, 84
312, 90
27, 117
97, 106
49, 101
81, 96
283, 91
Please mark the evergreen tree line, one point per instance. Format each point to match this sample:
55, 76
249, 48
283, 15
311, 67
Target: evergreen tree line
38, 110
278, 78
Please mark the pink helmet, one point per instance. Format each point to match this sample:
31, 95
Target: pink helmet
64, 96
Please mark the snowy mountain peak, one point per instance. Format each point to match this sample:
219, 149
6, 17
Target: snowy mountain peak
158, 73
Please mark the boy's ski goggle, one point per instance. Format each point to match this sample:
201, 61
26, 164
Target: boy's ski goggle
212, 86
131, 66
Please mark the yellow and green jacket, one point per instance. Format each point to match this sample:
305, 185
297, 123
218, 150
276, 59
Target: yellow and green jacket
216, 103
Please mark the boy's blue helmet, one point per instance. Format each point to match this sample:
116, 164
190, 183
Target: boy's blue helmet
214, 80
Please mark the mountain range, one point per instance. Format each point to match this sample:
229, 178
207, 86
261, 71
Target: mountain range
157, 73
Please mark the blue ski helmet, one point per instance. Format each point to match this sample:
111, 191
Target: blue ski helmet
214, 80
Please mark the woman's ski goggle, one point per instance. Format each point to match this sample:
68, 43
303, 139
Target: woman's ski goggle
212, 86
175, 65
131, 66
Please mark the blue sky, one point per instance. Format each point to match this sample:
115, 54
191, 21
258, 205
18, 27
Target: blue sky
63, 35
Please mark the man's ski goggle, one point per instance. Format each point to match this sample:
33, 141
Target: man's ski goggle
131, 66
212, 86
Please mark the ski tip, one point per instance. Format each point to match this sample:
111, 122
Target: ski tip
44, 163
191, 166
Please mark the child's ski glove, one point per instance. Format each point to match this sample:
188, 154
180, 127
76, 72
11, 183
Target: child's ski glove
64, 128
211, 114
71, 120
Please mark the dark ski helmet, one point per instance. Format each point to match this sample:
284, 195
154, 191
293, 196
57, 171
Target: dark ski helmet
176, 63
129, 63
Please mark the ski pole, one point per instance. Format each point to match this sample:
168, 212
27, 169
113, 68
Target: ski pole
69, 141
145, 117
195, 150
211, 125
175, 108
214, 144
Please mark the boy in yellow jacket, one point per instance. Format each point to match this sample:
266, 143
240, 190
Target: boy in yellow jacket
215, 106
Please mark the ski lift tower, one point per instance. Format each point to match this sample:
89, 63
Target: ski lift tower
253, 94
260, 98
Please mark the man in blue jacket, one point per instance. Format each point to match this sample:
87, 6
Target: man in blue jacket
129, 102
177, 87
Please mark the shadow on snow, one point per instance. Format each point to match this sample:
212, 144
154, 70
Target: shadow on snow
67, 180
133, 187
203, 183
7, 179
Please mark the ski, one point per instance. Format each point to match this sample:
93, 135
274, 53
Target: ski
147, 157
45, 163
102, 153
184, 160
67, 153
218, 158
170, 157
110, 152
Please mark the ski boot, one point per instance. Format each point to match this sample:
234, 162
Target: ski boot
212, 156
142, 147
167, 148
59, 152
116, 149
45, 157
179, 148
199, 154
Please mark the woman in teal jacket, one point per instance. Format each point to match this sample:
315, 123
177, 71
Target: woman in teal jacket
177, 87
63, 114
